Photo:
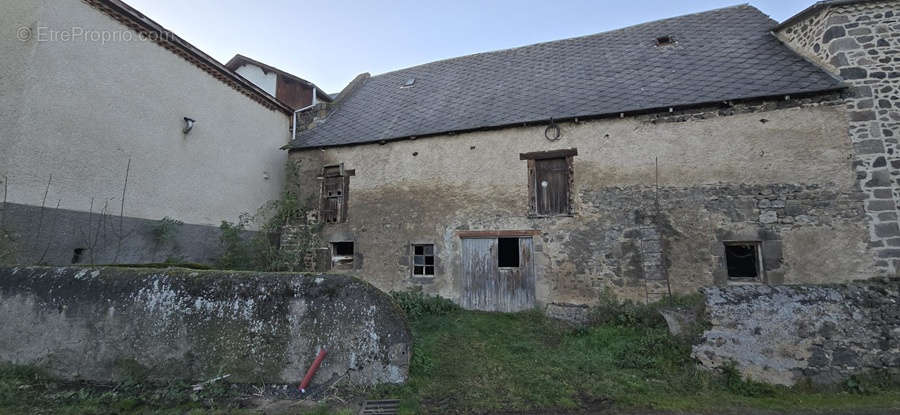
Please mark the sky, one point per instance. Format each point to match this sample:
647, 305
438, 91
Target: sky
329, 42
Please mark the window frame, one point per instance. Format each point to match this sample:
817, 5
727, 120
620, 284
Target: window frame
531, 158
425, 266
330, 172
758, 262
342, 262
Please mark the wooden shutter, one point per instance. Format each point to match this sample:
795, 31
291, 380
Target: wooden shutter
335, 186
551, 186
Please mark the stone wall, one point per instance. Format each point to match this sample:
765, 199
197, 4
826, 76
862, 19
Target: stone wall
740, 172
106, 324
860, 43
783, 334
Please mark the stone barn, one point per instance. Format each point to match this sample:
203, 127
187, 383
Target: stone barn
714, 148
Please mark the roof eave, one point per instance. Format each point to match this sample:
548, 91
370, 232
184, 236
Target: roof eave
164, 35
632, 112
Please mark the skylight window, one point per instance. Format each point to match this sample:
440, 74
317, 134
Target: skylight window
409, 82
665, 41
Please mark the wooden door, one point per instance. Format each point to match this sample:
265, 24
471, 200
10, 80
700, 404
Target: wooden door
489, 287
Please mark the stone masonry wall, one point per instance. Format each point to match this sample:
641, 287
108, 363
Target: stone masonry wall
860, 43
783, 334
773, 172
106, 324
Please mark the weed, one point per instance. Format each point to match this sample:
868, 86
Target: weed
8, 247
738, 385
417, 305
165, 230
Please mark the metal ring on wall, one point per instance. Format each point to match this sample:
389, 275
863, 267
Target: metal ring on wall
555, 135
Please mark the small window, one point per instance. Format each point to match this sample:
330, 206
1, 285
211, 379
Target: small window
342, 255
423, 260
77, 254
508, 252
743, 261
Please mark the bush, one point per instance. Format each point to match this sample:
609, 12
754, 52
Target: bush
611, 312
417, 305
654, 350
260, 250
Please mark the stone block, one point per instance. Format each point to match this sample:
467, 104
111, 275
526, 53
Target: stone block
869, 147
880, 178
833, 32
880, 205
889, 229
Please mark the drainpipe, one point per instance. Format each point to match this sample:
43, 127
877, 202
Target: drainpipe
314, 103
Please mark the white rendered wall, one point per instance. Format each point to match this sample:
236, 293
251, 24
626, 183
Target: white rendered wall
79, 109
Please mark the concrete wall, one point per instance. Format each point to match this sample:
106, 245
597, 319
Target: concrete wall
107, 324
62, 237
774, 172
788, 333
259, 77
79, 109
859, 42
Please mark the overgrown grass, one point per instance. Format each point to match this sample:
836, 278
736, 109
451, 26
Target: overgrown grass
25, 390
474, 362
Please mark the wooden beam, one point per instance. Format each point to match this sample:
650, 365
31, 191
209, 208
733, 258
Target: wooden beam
552, 154
498, 234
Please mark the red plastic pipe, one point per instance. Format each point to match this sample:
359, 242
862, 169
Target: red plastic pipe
312, 371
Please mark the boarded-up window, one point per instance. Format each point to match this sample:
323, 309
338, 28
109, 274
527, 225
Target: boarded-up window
335, 188
550, 182
551, 186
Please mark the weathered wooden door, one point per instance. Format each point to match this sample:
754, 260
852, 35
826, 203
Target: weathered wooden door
490, 287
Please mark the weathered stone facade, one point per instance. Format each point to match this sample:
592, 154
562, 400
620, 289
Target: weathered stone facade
738, 172
787, 333
860, 43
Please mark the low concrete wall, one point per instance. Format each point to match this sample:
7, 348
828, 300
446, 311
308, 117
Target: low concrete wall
782, 334
108, 323
53, 236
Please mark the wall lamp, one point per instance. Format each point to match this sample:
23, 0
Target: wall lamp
188, 125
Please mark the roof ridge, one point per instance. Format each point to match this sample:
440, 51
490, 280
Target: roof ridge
574, 37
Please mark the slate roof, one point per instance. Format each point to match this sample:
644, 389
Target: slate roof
723, 54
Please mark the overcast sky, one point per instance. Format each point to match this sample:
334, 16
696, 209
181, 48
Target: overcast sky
328, 42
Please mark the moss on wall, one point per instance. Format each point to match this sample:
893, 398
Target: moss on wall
112, 323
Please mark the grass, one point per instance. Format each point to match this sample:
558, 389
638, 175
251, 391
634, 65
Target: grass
25, 390
474, 362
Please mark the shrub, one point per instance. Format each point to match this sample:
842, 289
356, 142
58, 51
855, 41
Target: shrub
417, 305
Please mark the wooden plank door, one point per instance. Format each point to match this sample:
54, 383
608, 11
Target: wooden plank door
487, 286
479, 281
